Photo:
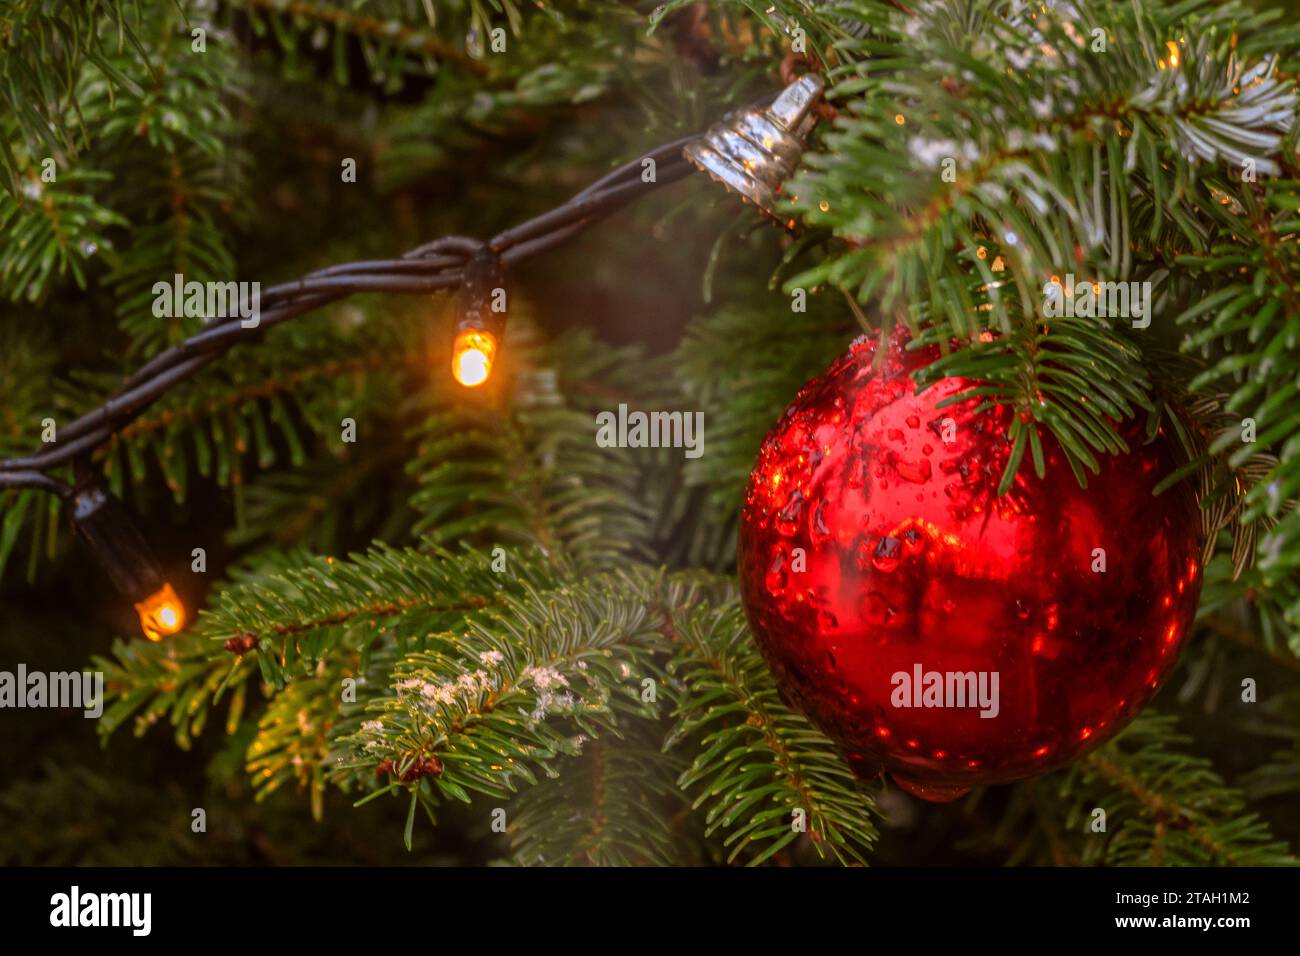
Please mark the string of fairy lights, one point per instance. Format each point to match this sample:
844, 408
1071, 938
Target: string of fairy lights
752, 151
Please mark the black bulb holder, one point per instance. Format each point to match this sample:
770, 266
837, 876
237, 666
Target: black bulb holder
104, 524
483, 276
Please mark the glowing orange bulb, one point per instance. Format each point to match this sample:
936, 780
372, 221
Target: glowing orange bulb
471, 357
161, 613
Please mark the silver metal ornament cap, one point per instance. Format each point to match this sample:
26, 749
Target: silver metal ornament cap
754, 151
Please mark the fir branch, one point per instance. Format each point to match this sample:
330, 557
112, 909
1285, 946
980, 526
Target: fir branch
27, 362
528, 682
293, 742
386, 38
1102, 161
282, 620
283, 405
1162, 807
50, 229
757, 764
1254, 436
530, 472
612, 806
1077, 377
1279, 775
179, 133
297, 616
326, 504
44, 45
1286, 659
179, 683
1172, 809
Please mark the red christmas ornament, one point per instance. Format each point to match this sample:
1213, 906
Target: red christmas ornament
932, 628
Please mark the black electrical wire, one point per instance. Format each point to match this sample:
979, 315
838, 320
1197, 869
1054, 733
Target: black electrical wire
427, 268
35, 479
432, 266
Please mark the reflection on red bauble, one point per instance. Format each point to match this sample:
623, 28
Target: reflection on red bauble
934, 629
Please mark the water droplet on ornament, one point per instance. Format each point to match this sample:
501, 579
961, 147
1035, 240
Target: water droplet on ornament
776, 574
819, 530
895, 434
913, 421
913, 541
787, 522
886, 556
917, 472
